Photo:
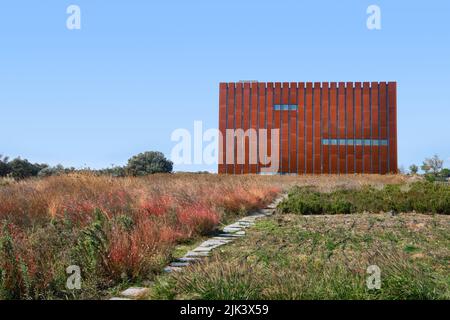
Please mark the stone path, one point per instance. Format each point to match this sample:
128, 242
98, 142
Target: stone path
228, 234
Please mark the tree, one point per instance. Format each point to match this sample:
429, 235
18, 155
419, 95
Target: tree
148, 163
445, 173
413, 168
432, 165
22, 168
5, 168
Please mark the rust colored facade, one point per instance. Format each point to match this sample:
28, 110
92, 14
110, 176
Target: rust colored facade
328, 127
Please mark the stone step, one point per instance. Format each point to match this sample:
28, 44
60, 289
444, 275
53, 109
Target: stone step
213, 242
231, 229
135, 292
230, 235
177, 264
239, 225
203, 249
189, 259
245, 222
197, 254
225, 240
169, 269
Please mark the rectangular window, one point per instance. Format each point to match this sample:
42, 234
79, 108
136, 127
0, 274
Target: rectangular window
284, 107
351, 142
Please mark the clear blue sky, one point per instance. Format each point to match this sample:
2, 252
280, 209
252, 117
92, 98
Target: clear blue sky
137, 70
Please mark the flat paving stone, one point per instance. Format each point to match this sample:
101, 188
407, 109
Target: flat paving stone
225, 240
203, 249
197, 254
179, 264
234, 225
213, 242
189, 259
238, 226
169, 269
118, 298
219, 238
230, 235
135, 292
245, 223
231, 229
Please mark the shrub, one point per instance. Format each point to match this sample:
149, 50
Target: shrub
5, 168
445, 173
413, 168
424, 197
116, 171
90, 253
22, 168
148, 163
340, 206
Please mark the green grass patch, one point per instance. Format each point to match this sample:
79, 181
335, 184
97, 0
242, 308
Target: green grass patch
422, 197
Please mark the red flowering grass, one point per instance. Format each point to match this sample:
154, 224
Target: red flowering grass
155, 205
141, 251
197, 219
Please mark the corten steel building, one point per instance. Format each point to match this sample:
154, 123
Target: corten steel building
328, 127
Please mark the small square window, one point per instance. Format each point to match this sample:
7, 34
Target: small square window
285, 107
